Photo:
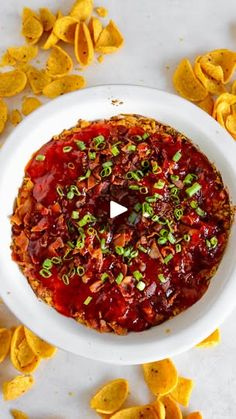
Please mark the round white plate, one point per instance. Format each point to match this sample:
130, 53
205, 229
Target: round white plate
173, 336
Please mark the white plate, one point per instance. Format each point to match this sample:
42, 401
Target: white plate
187, 328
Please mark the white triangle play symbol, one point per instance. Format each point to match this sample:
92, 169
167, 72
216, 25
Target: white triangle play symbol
116, 209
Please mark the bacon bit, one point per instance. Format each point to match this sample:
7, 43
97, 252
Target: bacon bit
57, 244
92, 181
155, 252
43, 224
43, 186
98, 257
167, 250
56, 208
96, 286
122, 238
22, 241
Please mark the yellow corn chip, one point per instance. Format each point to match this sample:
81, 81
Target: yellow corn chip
64, 85
32, 27
3, 120
18, 414
182, 391
207, 104
212, 340
15, 117
17, 387
47, 18
30, 104
82, 9
231, 124
12, 83
5, 334
59, 63
194, 415
212, 70
22, 357
39, 346
22, 55
233, 88
172, 409
225, 59
84, 51
187, 84
160, 376
110, 39
111, 396
7, 60
95, 28
38, 79
159, 409
64, 29
52, 38
101, 11
211, 85
136, 412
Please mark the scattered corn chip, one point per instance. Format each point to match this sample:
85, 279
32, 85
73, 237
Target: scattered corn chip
161, 376
32, 27
5, 334
183, 390
231, 126
212, 340
211, 85
136, 412
18, 414
15, 117
24, 54
82, 9
187, 84
3, 120
95, 28
223, 58
17, 387
207, 104
110, 397
47, 18
212, 70
39, 346
101, 11
12, 83
30, 104
7, 60
52, 38
38, 79
233, 88
194, 415
64, 85
22, 357
64, 29
159, 409
110, 39
59, 63
172, 409
84, 51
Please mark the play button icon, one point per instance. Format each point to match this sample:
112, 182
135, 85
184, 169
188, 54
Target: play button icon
116, 209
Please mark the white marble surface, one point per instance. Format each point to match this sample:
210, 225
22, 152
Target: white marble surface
158, 33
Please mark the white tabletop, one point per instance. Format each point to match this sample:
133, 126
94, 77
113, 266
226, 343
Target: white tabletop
158, 33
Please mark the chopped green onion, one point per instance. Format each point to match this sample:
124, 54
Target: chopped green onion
189, 178
193, 189
168, 258
145, 164
141, 285
92, 155
127, 252
160, 184
75, 215
88, 300
164, 232
162, 220
81, 145
103, 245
200, 212
151, 198
138, 207
143, 190
86, 176
178, 213
131, 147
134, 254
72, 272
45, 273
119, 250
155, 168
115, 151
138, 137
56, 260
80, 243
147, 210
67, 149
145, 136
143, 249
171, 238
193, 204
106, 172
137, 275
162, 240
70, 244
75, 190
162, 278
107, 164
119, 278
135, 175
174, 178
132, 217
60, 191
134, 187
70, 195
174, 190
104, 276
177, 156
187, 237
212, 242
47, 264
71, 165
91, 231
40, 157
65, 279
87, 218
98, 142
80, 270
178, 248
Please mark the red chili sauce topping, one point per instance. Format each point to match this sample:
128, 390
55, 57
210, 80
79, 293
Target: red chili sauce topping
142, 267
